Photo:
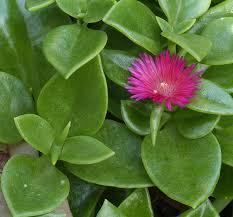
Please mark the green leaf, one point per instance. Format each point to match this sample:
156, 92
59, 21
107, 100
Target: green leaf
164, 25
15, 101
221, 75
83, 197
108, 210
53, 215
137, 204
96, 10
224, 9
38, 186
58, 143
184, 26
220, 34
67, 102
196, 45
225, 122
21, 35
181, 10
224, 188
36, 131
225, 138
116, 64
70, 47
75, 8
194, 125
84, 150
204, 210
186, 170
113, 171
34, 5
138, 17
211, 99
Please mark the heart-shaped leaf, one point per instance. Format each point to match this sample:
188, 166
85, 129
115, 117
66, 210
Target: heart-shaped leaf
36, 131
212, 99
32, 186
15, 100
124, 169
221, 75
196, 45
137, 204
224, 188
34, 5
84, 150
225, 138
69, 47
181, 10
142, 30
194, 125
116, 64
220, 34
204, 210
67, 104
186, 170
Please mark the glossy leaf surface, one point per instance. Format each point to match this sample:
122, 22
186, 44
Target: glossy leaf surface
43, 187
212, 99
84, 150
124, 169
15, 100
34, 5
220, 34
141, 26
194, 125
70, 47
36, 131
67, 104
108, 210
192, 165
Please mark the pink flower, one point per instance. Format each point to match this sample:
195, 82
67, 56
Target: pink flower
164, 79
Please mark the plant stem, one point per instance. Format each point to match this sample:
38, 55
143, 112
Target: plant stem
155, 118
220, 204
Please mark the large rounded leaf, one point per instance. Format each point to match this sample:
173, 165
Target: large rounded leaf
212, 99
32, 186
220, 33
186, 170
124, 169
225, 138
36, 131
137, 22
69, 47
194, 125
84, 150
82, 99
15, 100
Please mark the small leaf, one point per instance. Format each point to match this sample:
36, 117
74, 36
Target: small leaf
194, 125
134, 28
34, 5
116, 64
108, 210
184, 26
196, 45
221, 75
224, 188
84, 150
15, 100
164, 25
137, 204
113, 171
204, 210
220, 33
185, 170
67, 104
211, 99
70, 47
43, 187
36, 131
225, 138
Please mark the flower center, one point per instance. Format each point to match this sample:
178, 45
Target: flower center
163, 88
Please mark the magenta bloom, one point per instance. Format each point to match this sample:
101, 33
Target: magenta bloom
164, 79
